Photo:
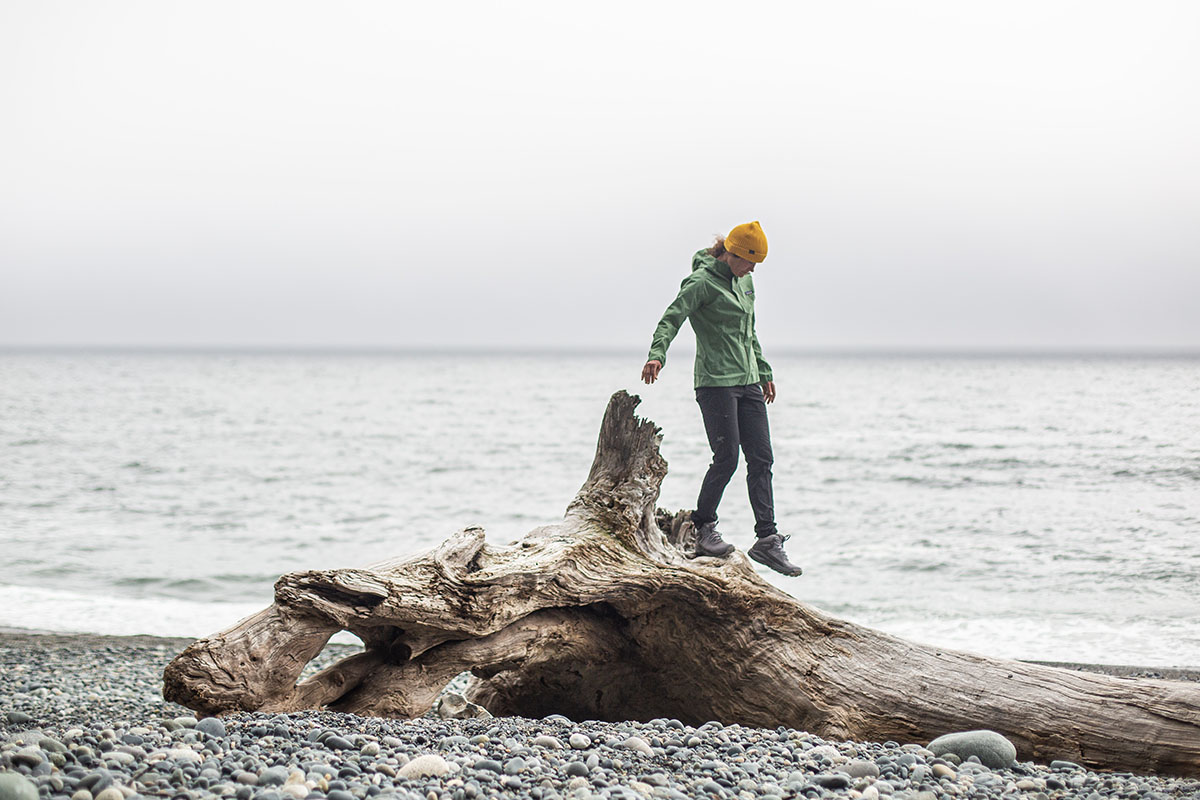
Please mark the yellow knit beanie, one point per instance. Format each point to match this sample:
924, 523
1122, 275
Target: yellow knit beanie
748, 241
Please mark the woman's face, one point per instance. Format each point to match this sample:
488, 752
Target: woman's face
739, 266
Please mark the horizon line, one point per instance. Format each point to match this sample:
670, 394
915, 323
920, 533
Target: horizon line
520, 350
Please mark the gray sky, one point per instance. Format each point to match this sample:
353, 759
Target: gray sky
932, 175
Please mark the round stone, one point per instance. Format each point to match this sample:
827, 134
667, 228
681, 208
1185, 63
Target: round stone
52, 745
992, 749
833, 781
16, 787
579, 741
426, 766
274, 776
111, 793
577, 768
862, 769
639, 744
211, 726
182, 755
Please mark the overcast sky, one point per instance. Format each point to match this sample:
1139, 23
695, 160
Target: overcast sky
940, 175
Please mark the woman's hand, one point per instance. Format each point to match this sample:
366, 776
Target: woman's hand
769, 391
650, 371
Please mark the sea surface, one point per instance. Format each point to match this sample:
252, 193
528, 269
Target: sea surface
1039, 508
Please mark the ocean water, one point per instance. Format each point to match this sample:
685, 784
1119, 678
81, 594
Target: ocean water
1040, 508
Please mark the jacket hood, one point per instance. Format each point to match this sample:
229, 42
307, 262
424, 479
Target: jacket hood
706, 260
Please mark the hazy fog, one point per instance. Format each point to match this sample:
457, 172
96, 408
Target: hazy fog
933, 174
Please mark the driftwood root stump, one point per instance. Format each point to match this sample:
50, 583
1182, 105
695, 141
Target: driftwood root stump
605, 616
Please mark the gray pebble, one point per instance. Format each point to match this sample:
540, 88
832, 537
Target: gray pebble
211, 726
989, 747
29, 757
17, 787
639, 744
862, 769
579, 741
52, 745
275, 776
833, 781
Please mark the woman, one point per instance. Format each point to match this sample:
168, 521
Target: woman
733, 386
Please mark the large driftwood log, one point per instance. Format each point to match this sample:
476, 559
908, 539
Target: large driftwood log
604, 616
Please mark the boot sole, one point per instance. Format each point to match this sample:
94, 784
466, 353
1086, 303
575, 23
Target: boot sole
722, 554
766, 563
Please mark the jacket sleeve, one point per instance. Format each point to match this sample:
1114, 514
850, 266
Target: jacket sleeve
764, 369
691, 296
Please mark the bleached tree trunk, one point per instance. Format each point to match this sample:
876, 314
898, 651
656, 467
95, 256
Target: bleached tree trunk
605, 616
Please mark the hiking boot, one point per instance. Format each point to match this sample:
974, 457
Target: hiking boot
709, 542
768, 550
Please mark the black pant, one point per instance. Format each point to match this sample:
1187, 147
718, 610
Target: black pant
736, 416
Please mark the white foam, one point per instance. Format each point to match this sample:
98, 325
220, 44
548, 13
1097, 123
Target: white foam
50, 610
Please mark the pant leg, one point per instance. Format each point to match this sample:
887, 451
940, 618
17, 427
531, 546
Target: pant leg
755, 436
718, 406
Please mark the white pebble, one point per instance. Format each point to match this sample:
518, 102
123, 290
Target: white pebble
424, 766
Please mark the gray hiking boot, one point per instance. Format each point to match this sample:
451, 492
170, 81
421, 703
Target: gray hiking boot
709, 542
768, 550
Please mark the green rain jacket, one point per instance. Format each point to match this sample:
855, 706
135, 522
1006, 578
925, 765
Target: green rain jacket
721, 309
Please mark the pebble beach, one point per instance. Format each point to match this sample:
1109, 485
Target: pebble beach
83, 718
